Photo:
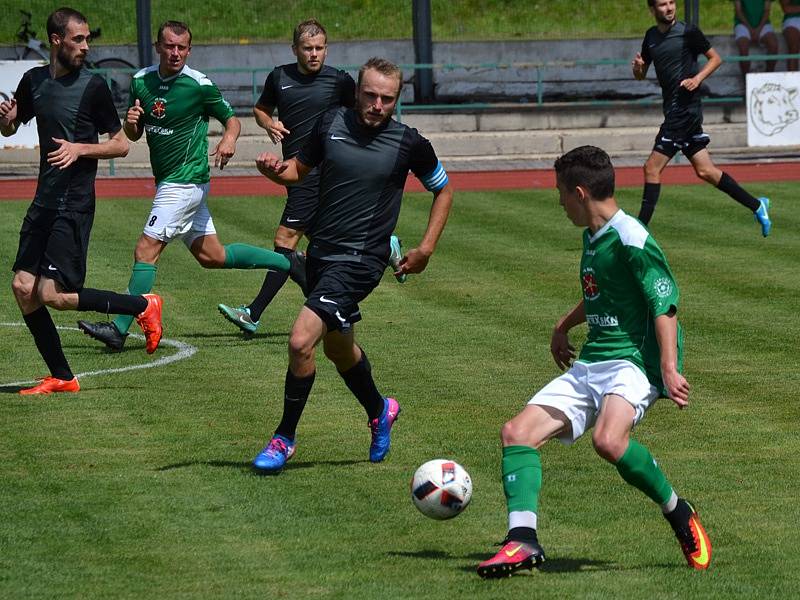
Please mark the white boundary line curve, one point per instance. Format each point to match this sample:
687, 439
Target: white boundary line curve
184, 351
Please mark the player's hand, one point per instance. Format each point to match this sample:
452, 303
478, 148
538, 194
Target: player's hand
563, 352
677, 387
134, 113
223, 152
63, 156
276, 131
269, 164
415, 261
8, 112
690, 84
637, 64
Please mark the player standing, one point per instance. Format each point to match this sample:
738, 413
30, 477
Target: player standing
172, 104
364, 157
631, 357
673, 47
72, 108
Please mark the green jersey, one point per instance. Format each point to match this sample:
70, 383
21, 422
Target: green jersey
176, 113
753, 11
626, 284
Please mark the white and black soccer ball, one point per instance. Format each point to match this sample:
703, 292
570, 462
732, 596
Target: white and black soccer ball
441, 489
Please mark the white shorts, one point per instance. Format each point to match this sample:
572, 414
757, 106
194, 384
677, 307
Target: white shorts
579, 393
792, 22
179, 211
741, 31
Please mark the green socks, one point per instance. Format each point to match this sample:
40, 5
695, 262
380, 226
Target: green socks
245, 256
522, 478
638, 468
141, 282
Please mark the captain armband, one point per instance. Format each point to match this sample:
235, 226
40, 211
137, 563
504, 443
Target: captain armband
436, 179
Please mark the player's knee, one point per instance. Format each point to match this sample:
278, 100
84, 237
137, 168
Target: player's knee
301, 347
514, 434
49, 296
22, 289
607, 446
651, 171
209, 261
707, 174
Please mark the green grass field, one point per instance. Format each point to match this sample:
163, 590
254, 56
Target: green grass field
140, 487
246, 21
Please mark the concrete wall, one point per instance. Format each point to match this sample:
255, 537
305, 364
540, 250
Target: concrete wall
464, 84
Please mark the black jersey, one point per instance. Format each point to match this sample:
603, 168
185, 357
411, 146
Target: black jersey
76, 107
363, 171
301, 99
674, 55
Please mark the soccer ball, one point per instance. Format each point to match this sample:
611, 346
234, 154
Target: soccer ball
441, 489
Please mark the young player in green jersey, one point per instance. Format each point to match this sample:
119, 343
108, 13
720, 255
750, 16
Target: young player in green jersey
172, 104
631, 357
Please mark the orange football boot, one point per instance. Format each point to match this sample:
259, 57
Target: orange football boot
50, 385
150, 321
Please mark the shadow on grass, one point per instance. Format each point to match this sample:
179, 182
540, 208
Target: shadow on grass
242, 337
557, 565
248, 466
11, 389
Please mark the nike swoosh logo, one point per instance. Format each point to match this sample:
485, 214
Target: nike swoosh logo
326, 300
292, 220
510, 553
338, 316
285, 87
336, 137
51, 268
702, 555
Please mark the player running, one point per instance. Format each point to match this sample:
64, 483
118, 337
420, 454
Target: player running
364, 157
632, 355
673, 47
172, 104
72, 108
301, 92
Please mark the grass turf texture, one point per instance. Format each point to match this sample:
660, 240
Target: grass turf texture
139, 486
225, 21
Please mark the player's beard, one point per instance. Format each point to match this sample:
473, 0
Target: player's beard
364, 112
70, 63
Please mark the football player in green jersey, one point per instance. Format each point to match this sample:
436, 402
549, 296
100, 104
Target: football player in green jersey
172, 103
632, 356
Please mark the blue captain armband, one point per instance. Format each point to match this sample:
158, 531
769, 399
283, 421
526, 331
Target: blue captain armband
436, 179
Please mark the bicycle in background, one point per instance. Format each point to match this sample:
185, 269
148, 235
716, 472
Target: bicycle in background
116, 71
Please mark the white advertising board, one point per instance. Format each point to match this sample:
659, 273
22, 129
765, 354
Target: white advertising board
773, 109
11, 71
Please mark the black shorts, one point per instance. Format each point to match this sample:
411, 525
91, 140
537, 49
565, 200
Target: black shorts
302, 201
54, 244
336, 288
689, 141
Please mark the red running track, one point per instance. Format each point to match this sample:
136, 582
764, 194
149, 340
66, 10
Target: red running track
140, 187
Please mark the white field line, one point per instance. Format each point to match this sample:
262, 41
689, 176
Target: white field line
184, 351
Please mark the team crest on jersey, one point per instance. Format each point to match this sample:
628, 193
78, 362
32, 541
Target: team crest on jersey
589, 283
663, 287
159, 109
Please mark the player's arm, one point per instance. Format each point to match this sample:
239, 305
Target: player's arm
226, 147
563, 352
417, 258
739, 10
284, 172
789, 8
713, 63
116, 146
274, 127
8, 117
667, 336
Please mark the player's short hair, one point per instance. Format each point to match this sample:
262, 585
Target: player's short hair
58, 19
588, 167
177, 27
384, 67
309, 28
